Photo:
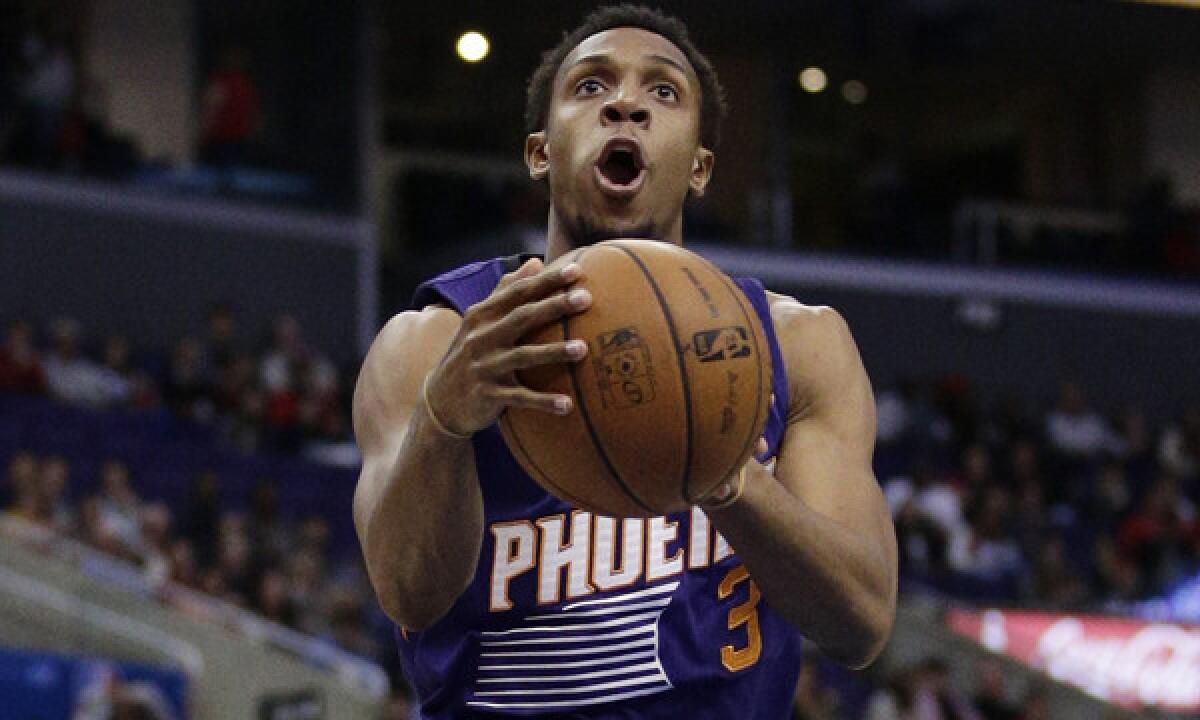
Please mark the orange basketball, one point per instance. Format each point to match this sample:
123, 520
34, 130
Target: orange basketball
672, 396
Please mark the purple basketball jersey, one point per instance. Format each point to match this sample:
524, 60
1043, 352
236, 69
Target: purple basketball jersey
576, 615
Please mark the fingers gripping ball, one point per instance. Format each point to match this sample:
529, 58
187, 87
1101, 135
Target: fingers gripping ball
672, 396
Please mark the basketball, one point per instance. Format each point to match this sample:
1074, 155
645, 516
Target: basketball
673, 393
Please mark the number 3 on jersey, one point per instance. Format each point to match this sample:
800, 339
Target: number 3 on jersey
737, 659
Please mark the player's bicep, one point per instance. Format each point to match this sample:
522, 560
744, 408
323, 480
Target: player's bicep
388, 390
825, 456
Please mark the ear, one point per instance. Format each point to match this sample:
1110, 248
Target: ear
702, 167
537, 155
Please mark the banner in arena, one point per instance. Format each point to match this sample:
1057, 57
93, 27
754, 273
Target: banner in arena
1125, 661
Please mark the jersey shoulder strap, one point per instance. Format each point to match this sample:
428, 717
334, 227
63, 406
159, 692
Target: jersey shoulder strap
463, 287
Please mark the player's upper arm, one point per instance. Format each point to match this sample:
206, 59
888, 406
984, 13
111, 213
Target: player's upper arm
389, 388
825, 457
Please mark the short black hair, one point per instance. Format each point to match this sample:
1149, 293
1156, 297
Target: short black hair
712, 95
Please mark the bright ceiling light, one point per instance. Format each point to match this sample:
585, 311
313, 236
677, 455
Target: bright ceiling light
813, 79
472, 46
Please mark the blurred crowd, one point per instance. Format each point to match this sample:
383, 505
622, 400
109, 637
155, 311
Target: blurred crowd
924, 690
53, 114
252, 555
285, 396
1060, 508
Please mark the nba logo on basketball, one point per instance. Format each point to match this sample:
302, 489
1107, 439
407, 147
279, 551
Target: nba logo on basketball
721, 343
623, 369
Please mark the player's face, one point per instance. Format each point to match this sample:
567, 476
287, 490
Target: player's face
621, 146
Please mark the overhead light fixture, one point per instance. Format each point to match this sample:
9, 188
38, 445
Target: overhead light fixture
813, 79
472, 46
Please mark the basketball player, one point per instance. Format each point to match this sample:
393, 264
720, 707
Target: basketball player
512, 603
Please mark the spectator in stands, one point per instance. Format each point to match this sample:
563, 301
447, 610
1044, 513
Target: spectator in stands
235, 559
270, 535
976, 473
934, 497
955, 402
894, 410
1024, 464
202, 518
1115, 576
278, 373
54, 475
49, 88
315, 535
128, 385
272, 599
1179, 446
1110, 499
1073, 429
183, 563
987, 550
20, 364
70, 376
233, 381
88, 143
120, 509
115, 376
1031, 515
1053, 583
185, 389
320, 410
305, 572
156, 543
21, 482
1135, 444
231, 111
221, 344
1162, 537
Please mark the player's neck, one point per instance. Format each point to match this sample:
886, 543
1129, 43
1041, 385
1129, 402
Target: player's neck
559, 241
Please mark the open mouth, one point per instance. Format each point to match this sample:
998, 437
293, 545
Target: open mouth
620, 167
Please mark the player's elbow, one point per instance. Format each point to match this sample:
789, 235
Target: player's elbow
868, 634
412, 609
875, 639
858, 648
409, 615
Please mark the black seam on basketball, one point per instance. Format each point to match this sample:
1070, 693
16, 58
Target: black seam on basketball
736, 292
683, 377
587, 421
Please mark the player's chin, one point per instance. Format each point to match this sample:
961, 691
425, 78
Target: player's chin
603, 227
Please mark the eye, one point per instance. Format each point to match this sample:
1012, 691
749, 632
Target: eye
588, 86
663, 91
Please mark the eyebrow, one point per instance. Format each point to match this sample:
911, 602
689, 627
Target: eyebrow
604, 59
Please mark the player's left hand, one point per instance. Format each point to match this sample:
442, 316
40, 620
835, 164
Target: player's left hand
728, 491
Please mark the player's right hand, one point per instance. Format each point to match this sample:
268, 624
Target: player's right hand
476, 379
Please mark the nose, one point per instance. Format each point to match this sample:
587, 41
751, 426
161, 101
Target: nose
625, 107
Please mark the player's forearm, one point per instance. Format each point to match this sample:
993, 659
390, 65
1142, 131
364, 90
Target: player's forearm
833, 583
423, 529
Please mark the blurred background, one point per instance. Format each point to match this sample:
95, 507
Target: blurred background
208, 209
